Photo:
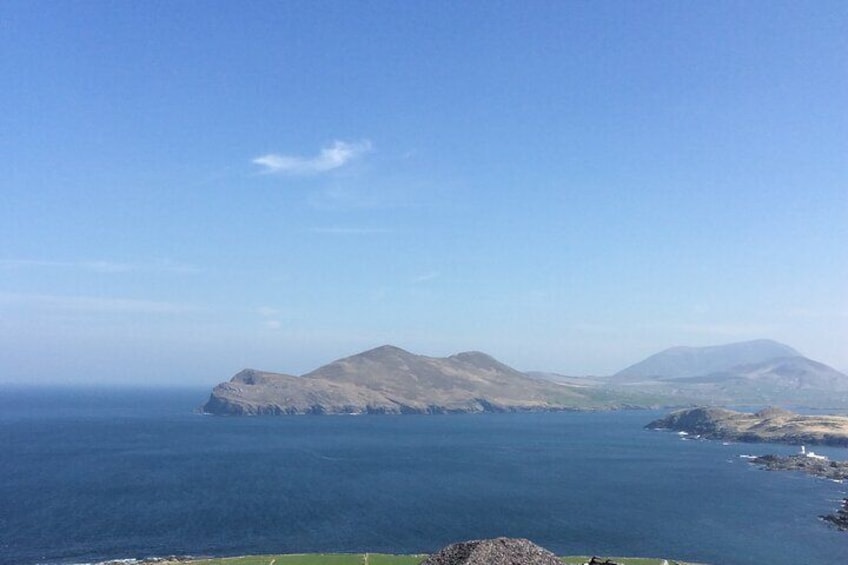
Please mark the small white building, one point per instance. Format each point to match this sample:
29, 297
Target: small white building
811, 454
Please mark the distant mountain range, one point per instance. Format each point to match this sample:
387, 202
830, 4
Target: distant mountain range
682, 362
751, 372
389, 380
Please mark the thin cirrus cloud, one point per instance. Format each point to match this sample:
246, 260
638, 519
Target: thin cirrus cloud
339, 230
334, 156
90, 304
103, 267
269, 317
426, 277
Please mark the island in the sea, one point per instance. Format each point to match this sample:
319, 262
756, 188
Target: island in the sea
768, 425
390, 380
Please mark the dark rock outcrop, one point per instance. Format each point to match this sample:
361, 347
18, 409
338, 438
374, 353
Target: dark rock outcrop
169, 560
825, 468
816, 466
498, 551
840, 518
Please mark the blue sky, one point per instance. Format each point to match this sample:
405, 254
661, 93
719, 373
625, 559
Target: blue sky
190, 188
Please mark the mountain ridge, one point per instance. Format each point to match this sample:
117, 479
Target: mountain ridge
391, 380
752, 372
687, 361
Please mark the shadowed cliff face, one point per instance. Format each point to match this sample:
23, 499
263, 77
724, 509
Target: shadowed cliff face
389, 380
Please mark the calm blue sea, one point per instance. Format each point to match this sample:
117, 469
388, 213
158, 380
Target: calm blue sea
88, 475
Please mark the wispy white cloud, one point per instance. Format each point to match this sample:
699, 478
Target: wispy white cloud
267, 311
98, 266
371, 194
344, 197
334, 156
814, 314
337, 230
269, 317
426, 277
92, 304
737, 330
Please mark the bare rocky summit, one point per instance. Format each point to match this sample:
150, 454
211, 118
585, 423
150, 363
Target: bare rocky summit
498, 551
769, 425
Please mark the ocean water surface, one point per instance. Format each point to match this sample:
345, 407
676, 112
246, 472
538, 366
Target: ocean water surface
88, 475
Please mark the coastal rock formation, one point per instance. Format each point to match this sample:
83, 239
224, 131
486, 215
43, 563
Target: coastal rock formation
769, 425
169, 560
498, 551
840, 518
389, 380
817, 466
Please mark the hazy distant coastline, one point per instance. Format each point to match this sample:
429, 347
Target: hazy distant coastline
390, 380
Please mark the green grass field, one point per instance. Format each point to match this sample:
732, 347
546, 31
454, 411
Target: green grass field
383, 559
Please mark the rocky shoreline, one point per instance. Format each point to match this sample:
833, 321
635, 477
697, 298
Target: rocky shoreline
496, 551
168, 560
770, 425
840, 518
816, 466
825, 468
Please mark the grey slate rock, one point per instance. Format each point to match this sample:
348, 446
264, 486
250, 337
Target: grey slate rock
498, 551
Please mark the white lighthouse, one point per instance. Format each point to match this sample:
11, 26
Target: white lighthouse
811, 454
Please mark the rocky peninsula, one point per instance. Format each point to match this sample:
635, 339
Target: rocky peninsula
770, 425
816, 465
389, 380
805, 463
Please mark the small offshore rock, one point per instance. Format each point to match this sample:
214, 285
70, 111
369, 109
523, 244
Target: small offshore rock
840, 519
